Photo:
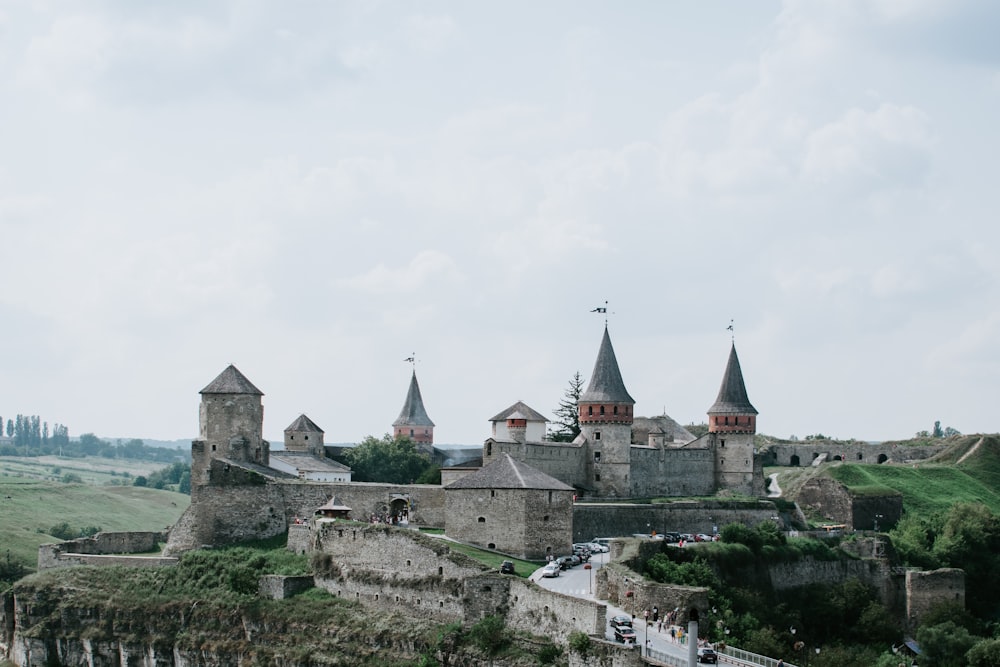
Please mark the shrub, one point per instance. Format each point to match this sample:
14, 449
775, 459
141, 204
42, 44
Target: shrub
489, 635
579, 642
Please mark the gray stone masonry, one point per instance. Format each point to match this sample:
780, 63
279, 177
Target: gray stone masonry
101, 544
279, 587
592, 520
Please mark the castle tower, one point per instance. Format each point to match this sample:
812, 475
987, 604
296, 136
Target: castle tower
732, 422
413, 421
606, 423
302, 435
230, 424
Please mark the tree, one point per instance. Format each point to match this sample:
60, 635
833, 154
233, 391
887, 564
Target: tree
386, 459
937, 433
945, 644
568, 413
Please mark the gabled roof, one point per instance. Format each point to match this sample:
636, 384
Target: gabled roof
413, 412
231, 381
606, 385
733, 393
304, 424
526, 413
507, 473
302, 461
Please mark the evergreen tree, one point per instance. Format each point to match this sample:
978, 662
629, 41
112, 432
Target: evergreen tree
568, 413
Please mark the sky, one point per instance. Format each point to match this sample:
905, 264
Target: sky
315, 191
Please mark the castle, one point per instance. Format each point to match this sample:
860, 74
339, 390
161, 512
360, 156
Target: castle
609, 460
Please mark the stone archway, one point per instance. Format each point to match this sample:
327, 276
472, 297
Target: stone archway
399, 508
794, 461
882, 458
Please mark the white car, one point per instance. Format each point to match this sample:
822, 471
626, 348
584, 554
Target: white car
598, 548
551, 570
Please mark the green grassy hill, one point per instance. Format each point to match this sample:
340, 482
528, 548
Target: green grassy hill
28, 506
968, 472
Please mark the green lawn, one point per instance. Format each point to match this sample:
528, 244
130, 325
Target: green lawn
29, 505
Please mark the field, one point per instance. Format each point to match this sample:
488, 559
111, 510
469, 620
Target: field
92, 469
30, 507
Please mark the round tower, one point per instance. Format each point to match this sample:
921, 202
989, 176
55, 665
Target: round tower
413, 421
732, 423
606, 414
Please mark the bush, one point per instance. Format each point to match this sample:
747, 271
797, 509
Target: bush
489, 635
579, 642
548, 654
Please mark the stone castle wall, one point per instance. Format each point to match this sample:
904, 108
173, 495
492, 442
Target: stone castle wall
784, 454
592, 520
668, 471
562, 460
926, 589
833, 501
101, 544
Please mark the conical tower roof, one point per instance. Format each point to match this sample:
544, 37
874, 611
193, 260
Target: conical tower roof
413, 412
303, 424
606, 385
231, 381
732, 398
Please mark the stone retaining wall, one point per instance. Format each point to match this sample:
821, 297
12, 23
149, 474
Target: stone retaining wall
101, 544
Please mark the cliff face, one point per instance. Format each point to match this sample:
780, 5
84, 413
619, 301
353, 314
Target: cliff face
68, 624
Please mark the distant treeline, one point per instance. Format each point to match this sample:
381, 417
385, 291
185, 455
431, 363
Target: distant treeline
28, 435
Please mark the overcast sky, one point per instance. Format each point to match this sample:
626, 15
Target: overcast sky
313, 191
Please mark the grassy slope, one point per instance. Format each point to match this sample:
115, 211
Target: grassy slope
35, 504
930, 487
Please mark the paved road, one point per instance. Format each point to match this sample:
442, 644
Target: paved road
578, 582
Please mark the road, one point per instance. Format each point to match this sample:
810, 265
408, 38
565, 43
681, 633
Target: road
579, 582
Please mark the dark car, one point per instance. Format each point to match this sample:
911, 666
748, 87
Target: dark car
708, 655
625, 634
506, 567
620, 621
672, 537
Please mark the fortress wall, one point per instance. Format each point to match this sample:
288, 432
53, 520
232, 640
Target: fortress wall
241, 505
564, 461
634, 594
50, 555
829, 498
279, 587
592, 520
542, 612
857, 452
672, 472
926, 589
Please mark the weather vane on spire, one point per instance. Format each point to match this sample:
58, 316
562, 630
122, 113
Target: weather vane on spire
731, 331
602, 309
413, 360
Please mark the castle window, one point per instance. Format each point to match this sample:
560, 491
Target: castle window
723, 461
590, 411
597, 477
722, 443
545, 518
491, 546
213, 448
597, 457
493, 493
727, 421
291, 437
550, 497
489, 449
307, 437
597, 435
481, 519
746, 462
602, 409
411, 431
407, 562
616, 409
440, 571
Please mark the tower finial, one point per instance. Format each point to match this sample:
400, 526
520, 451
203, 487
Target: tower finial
412, 359
732, 332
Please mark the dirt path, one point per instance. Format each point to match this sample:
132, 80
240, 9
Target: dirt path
972, 450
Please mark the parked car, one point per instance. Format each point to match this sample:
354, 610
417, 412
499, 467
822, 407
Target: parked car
507, 567
551, 570
702, 537
708, 655
686, 537
598, 548
625, 634
621, 620
672, 537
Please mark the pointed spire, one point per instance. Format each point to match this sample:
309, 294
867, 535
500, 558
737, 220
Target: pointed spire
606, 384
413, 412
732, 397
231, 381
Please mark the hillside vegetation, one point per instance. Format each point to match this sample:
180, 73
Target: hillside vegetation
30, 508
937, 484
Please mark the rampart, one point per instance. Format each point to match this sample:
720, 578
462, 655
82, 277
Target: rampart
242, 504
279, 587
105, 549
673, 471
592, 520
926, 589
385, 567
834, 501
804, 453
